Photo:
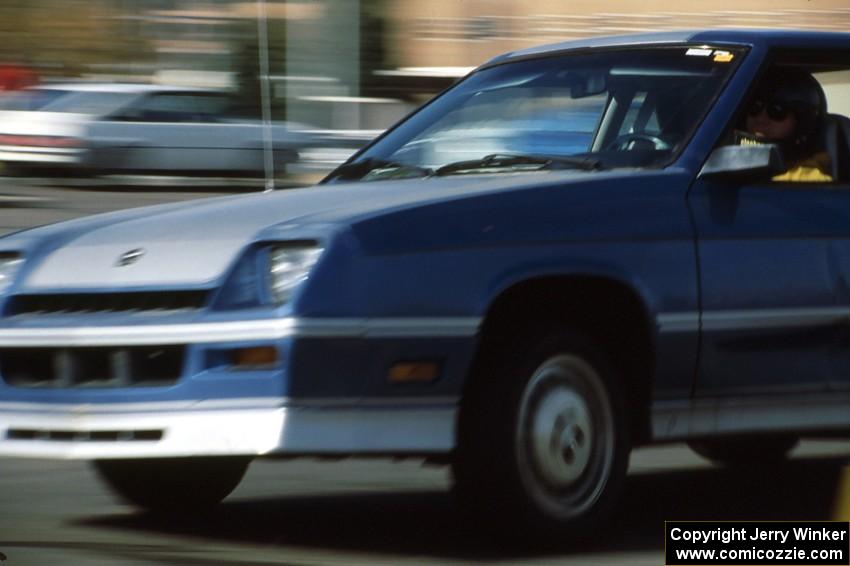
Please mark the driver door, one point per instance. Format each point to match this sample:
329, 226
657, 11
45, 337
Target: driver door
775, 286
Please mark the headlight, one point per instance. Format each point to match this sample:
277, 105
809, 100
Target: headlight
288, 267
9, 266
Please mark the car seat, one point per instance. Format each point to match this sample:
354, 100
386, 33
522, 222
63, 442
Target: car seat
835, 136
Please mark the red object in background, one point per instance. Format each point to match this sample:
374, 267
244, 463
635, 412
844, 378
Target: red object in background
14, 77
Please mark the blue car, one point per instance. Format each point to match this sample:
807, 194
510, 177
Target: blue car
570, 253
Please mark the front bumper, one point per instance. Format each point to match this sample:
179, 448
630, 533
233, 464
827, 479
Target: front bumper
41, 155
253, 427
327, 396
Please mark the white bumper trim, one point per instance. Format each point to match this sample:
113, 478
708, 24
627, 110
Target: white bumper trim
236, 331
39, 155
256, 431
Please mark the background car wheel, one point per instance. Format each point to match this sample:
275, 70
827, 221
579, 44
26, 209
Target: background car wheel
173, 484
543, 442
745, 450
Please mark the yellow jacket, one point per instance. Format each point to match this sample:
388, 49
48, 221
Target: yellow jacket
811, 170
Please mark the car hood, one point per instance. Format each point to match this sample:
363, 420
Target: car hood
195, 243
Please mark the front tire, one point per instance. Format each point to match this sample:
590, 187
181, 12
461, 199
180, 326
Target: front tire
173, 484
543, 441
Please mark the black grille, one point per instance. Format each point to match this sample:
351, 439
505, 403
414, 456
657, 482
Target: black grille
80, 303
92, 367
84, 436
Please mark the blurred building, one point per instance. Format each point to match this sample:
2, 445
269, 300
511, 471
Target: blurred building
342, 64
449, 32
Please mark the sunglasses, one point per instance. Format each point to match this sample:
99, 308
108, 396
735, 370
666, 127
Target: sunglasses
775, 110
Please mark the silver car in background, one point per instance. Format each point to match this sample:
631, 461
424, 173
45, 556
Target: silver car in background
95, 129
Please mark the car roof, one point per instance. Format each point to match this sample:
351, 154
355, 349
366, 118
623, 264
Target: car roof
742, 37
116, 87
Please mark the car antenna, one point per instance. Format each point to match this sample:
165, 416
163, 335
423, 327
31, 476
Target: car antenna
265, 94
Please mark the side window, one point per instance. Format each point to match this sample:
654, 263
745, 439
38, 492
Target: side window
176, 107
836, 135
801, 105
836, 87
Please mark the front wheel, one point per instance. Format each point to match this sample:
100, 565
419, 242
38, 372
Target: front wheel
543, 442
173, 484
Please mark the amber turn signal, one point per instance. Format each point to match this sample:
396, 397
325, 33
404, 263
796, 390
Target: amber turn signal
255, 357
414, 372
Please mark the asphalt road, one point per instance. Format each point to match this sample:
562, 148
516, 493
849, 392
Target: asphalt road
358, 512
381, 512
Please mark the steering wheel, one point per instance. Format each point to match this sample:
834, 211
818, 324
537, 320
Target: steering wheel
628, 142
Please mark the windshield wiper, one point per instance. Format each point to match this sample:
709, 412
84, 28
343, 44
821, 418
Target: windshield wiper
377, 167
517, 160
359, 169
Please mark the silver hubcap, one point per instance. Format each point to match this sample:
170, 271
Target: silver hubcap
565, 436
562, 437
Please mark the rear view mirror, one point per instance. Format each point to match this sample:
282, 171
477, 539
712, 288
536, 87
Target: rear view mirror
743, 163
586, 84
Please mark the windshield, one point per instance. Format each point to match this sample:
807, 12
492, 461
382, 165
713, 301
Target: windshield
90, 102
627, 108
30, 99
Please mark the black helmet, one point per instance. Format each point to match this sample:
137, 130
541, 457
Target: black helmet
798, 91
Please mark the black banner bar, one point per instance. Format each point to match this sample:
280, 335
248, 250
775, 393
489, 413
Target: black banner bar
757, 543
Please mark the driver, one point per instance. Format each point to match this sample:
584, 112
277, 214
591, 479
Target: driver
788, 110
